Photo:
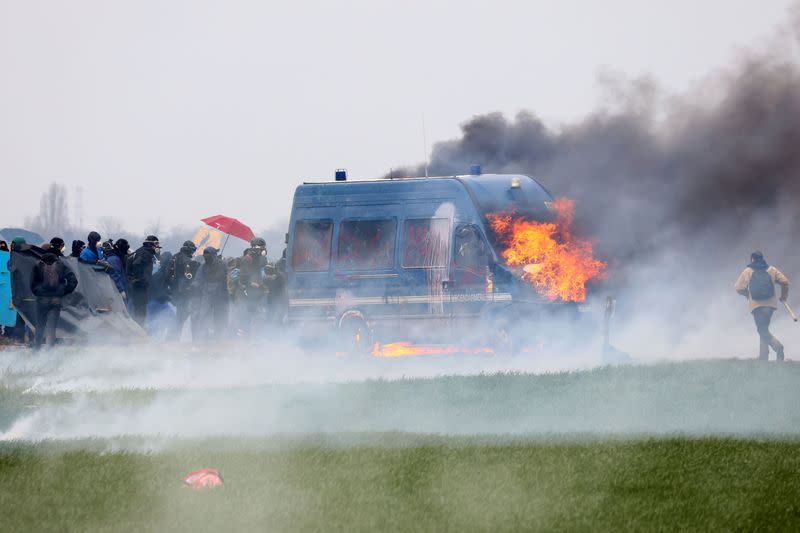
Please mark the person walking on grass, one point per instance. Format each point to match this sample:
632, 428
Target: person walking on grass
757, 283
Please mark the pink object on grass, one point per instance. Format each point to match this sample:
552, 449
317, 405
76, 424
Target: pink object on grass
208, 477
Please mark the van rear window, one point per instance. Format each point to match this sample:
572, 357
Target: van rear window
426, 242
367, 244
312, 245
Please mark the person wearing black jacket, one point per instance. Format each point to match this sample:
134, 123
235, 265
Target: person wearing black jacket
50, 282
140, 275
180, 272
77, 248
210, 318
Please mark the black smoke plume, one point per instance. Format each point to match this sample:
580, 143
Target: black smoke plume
700, 171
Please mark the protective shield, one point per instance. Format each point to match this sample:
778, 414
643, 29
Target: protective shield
96, 308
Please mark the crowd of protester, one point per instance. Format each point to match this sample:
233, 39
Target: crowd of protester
201, 296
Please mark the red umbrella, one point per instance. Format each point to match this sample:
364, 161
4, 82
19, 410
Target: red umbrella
230, 226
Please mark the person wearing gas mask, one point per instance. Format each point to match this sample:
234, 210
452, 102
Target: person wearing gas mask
140, 274
210, 316
180, 274
251, 287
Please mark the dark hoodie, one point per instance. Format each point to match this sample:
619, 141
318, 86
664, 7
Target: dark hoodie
118, 260
212, 277
181, 270
64, 283
140, 266
77, 248
758, 263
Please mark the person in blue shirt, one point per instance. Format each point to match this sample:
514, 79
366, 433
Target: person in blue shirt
92, 254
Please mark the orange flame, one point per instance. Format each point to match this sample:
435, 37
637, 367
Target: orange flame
547, 255
407, 349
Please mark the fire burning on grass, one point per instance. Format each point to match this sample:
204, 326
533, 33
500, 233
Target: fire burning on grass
407, 349
547, 254
410, 349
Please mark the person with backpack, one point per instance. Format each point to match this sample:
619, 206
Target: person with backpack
140, 275
757, 283
92, 254
50, 282
180, 273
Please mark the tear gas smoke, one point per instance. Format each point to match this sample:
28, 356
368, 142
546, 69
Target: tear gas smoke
674, 190
157, 395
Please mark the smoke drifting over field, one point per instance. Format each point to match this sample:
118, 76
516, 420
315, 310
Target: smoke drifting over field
675, 190
257, 392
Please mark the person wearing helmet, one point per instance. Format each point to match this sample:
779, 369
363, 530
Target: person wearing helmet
180, 274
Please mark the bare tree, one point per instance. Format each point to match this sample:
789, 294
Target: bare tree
53, 218
154, 228
110, 227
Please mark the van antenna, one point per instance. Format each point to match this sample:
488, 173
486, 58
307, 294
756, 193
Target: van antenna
425, 144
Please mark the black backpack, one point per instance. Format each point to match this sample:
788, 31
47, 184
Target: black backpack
761, 285
51, 280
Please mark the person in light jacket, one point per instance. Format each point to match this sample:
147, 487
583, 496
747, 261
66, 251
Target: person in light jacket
757, 283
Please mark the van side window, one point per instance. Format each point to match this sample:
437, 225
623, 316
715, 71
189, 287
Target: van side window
367, 244
312, 245
426, 242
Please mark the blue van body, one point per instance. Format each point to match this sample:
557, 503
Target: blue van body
412, 254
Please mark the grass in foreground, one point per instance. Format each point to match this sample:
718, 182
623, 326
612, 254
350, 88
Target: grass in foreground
447, 484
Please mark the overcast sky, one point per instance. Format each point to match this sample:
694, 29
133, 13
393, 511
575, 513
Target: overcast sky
179, 110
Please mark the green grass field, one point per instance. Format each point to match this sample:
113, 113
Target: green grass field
434, 484
702, 445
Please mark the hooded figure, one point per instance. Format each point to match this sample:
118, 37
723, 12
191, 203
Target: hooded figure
140, 274
108, 247
92, 254
77, 248
57, 246
211, 314
16, 242
51, 280
757, 283
118, 260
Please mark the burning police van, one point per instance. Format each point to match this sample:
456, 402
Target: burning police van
476, 258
